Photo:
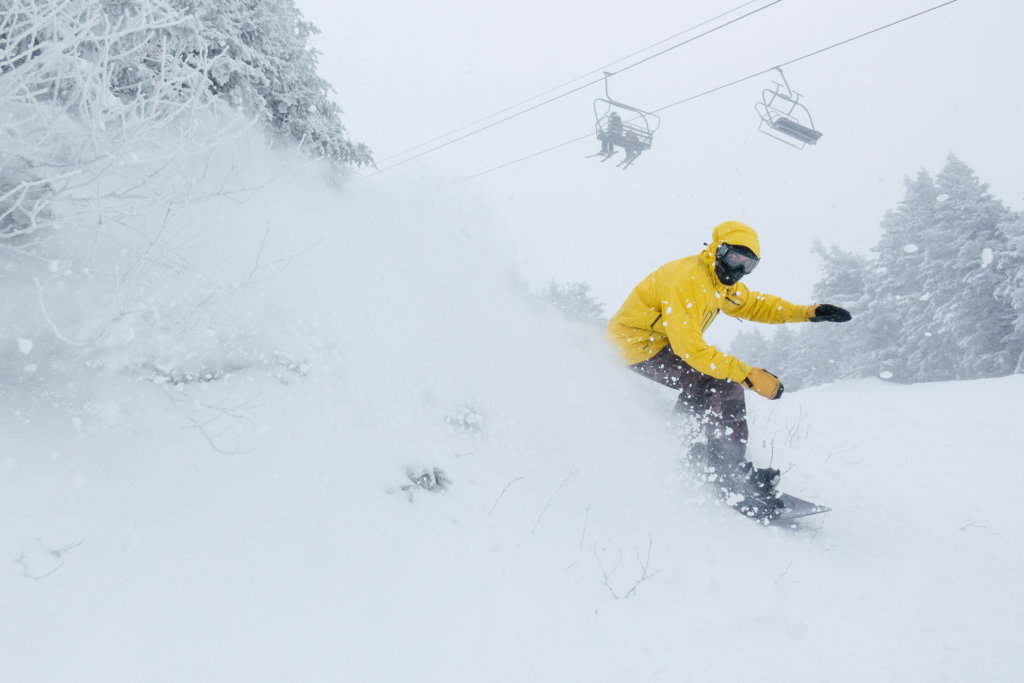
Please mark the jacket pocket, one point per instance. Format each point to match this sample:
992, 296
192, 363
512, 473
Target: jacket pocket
708, 319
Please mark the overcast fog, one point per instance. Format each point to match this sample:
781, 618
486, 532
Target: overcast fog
888, 104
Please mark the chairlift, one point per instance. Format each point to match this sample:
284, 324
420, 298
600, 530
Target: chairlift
633, 135
783, 117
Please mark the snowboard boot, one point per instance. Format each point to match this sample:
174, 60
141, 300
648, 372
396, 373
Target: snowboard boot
764, 479
749, 480
753, 492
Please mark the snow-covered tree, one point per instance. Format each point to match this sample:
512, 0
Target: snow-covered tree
786, 358
943, 299
831, 352
91, 87
262, 62
129, 66
118, 118
777, 352
969, 316
751, 346
574, 300
897, 321
1010, 292
85, 88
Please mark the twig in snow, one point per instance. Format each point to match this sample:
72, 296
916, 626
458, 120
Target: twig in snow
605, 573
645, 564
211, 425
645, 573
583, 534
500, 495
551, 499
49, 321
59, 553
781, 578
835, 450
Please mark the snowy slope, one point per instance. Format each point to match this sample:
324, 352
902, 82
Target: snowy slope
151, 557
262, 527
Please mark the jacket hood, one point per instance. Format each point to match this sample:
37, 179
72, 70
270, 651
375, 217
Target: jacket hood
730, 232
734, 232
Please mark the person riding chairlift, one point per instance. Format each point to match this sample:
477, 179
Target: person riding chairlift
613, 133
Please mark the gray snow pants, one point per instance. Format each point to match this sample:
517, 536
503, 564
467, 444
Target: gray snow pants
718, 405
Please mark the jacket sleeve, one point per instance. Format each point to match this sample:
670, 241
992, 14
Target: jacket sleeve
684, 322
740, 302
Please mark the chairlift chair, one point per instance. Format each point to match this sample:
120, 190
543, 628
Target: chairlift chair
634, 135
783, 117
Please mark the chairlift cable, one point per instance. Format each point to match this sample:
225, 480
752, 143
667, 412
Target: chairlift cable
528, 156
567, 83
806, 56
720, 87
567, 93
673, 47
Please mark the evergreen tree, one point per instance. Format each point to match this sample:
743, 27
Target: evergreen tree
898, 322
970, 317
844, 275
576, 303
780, 353
837, 352
262, 62
752, 347
131, 65
1010, 293
943, 299
786, 359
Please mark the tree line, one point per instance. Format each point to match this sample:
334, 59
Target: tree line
941, 297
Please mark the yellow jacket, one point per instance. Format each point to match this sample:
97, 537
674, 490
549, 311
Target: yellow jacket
676, 303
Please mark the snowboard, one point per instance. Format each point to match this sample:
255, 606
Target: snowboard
792, 508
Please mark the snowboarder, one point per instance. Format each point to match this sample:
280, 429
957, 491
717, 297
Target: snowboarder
660, 332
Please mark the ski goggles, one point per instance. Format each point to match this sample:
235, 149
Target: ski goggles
737, 257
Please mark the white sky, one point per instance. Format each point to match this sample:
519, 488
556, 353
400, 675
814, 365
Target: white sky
888, 104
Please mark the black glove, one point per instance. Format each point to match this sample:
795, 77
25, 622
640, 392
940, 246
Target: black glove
828, 313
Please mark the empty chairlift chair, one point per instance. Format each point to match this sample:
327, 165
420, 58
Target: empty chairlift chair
784, 117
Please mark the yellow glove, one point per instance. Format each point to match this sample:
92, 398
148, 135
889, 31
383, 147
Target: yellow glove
764, 383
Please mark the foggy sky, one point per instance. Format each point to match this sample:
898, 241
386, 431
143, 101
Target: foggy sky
888, 104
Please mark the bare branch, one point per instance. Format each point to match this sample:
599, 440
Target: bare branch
586, 521
645, 573
502, 494
645, 564
551, 499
